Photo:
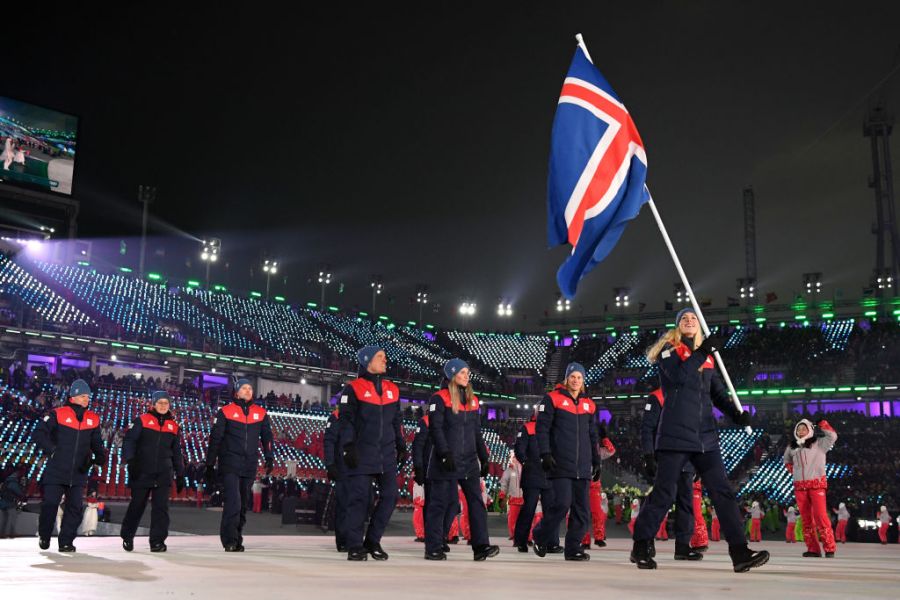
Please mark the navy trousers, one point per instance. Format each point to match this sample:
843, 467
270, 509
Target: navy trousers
340, 511
569, 496
359, 491
453, 507
444, 497
526, 514
72, 510
684, 508
234, 508
159, 513
712, 472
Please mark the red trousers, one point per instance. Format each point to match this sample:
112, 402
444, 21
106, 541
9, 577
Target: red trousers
419, 518
715, 535
882, 532
663, 533
454, 529
814, 513
618, 510
755, 530
598, 521
840, 533
515, 507
537, 519
257, 503
701, 535
631, 526
789, 535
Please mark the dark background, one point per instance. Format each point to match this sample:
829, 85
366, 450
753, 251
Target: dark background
413, 142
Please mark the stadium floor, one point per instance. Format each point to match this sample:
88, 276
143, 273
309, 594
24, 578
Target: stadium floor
283, 566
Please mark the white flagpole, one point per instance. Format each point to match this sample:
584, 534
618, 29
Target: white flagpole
684, 280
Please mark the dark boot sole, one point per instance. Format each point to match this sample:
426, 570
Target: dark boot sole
758, 562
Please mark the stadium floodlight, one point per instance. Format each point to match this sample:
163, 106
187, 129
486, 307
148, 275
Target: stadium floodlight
681, 296
377, 283
504, 309
883, 279
421, 299
270, 267
210, 254
746, 287
563, 304
468, 309
623, 297
812, 283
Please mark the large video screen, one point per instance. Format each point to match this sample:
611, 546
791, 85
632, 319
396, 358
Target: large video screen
37, 146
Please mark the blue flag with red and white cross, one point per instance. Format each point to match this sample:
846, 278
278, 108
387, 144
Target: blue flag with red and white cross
598, 170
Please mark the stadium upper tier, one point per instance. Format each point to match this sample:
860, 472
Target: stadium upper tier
121, 306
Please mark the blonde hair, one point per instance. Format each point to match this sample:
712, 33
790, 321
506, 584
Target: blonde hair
455, 400
673, 338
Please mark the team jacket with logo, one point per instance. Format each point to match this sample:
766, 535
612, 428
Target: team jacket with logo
369, 409
806, 462
421, 445
237, 432
155, 446
70, 441
457, 434
528, 453
690, 387
650, 425
567, 428
331, 443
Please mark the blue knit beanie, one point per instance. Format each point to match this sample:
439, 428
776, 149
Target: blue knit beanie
240, 382
682, 312
575, 367
366, 354
79, 387
454, 366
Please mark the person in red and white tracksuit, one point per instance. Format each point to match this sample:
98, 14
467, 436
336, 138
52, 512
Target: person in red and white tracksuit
805, 459
600, 526
511, 490
715, 533
700, 539
756, 515
843, 517
791, 527
662, 534
617, 507
884, 518
598, 503
418, 495
635, 509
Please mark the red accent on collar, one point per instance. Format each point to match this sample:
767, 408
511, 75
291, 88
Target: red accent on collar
469, 407
658, 394
233, 412
365, 392
530, 427
151, 422
582, 406
65, 416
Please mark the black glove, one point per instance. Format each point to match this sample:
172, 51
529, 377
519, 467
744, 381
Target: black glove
86, 465
548, 462
270, 464
179, 484
485, 467
650, 467
419, 475
711, 344
332, 472
402, 453
447, 462
595, 472
601, 432
210, 474
99, 459
742, 419
351, 458
132, 471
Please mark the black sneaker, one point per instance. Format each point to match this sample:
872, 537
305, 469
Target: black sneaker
127, 545
43, 543
600, 543
557, 549
809, 554
685, 552
744, 559
435, 556
233, 548
375, 550
485, 551
419, 540
652, 546
701, 549
522, 547
67, 548
585, 546
357, 554
445, 547
540, 550
453, 540
580, 555
341, 547
161, 547
829, 555
640, 555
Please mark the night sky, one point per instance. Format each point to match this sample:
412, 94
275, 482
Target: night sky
414, 143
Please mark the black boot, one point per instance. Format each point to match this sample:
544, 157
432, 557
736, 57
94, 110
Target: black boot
358, 553
580, 555
685, 552
445, 547
600, 543
640, 555
701, 549
557, 549
435, 555
341, 547
585, 546
233, 548
127, 545
522, 547
652, 548
829, 555
485, 551
375, 550
160, 547
744, 559
44, 543
540, 550
809, 554
66, 548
